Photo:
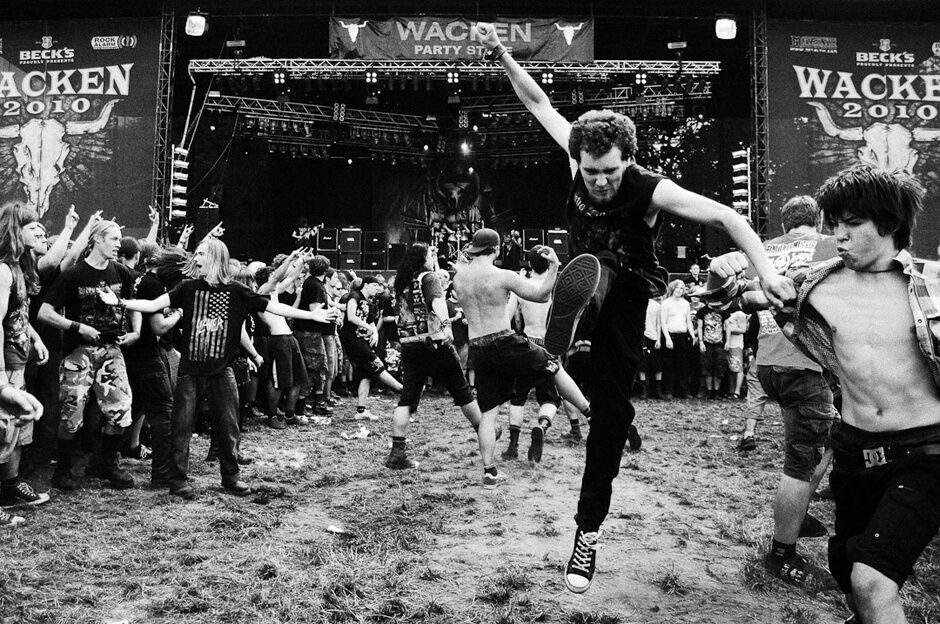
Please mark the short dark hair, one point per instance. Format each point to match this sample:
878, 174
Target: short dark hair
318, 265
537, 261
799, 210
890, 199
129, 247
597, 131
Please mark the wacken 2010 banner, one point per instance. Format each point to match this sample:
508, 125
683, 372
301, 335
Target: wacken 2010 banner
454, 38
77, 117
842, 94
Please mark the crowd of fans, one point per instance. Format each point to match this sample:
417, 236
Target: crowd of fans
93, 365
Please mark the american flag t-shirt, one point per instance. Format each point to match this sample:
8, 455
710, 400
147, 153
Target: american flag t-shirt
210, 326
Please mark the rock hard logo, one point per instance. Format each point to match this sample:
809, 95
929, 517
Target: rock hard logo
806, 43
113, 42
47, 54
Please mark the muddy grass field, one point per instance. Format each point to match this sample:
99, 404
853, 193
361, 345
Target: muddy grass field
330, 535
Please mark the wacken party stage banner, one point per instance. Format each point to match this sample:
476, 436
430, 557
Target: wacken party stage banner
454, 38
842, 94
77, 117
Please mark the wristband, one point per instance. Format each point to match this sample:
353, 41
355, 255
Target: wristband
74, 325
497, 52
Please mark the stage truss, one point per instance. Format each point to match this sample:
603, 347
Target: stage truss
501, 127
161, 139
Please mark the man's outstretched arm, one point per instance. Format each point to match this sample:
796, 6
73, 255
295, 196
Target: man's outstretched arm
529, 92
678, 201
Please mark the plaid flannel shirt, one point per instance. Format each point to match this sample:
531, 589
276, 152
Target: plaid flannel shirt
809, 332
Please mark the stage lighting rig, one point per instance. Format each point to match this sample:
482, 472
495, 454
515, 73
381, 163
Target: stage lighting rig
196, 23
726, 26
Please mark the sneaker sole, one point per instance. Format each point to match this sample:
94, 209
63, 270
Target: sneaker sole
538, 442
573, 290
577, 590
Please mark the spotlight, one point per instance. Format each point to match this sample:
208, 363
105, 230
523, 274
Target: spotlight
465, 147
725, 26
196, 25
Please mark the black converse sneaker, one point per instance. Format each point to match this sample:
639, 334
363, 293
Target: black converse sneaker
573, 290
535, 449
580, 569
21, 493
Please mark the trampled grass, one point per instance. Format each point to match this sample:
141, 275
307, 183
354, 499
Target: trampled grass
331, 536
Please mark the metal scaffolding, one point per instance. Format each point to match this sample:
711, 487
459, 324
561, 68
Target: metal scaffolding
354, 68
161, 139
761, 118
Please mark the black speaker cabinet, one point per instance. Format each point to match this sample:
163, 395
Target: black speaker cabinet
349, 260
374, 242
373, 261
350, 239
396, 253
531, 238
327, 240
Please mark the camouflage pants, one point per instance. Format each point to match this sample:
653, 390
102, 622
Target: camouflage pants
100, 368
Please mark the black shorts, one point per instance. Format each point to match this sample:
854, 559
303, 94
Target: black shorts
284, 362
885, 515
420, 360
545, 391
366, 363
499, 358
713, 360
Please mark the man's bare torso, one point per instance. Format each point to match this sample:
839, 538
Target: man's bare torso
482, 292
886, 382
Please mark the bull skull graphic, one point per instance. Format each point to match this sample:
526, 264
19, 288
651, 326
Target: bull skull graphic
886, 145
41, 152
353, 29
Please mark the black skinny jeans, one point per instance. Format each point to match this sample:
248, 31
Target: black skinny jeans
616, 352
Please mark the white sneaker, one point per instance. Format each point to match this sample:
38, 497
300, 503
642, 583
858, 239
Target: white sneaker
366, 415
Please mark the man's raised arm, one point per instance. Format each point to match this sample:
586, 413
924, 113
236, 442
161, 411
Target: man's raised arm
529, 92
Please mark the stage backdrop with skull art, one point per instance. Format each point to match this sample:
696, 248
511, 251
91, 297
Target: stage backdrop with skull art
845, 93
447, 201
77, 117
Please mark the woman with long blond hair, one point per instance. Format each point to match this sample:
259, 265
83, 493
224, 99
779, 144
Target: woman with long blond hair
214, 307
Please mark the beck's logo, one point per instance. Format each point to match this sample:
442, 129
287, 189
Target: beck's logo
47, 54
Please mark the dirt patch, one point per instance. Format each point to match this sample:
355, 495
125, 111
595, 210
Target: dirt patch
330, 535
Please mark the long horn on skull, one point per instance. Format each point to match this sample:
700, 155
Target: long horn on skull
921, 134
90, 127
846, 134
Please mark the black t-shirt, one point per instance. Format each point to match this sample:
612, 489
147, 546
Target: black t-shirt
364, 313
313, 292
212, 323
148, 286
415, 317
387, 305
619, 227
76, 292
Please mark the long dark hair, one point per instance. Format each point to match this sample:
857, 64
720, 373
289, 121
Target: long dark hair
414, 262
13, 251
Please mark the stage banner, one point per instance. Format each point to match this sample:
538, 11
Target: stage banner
455, 39
77, 118
844, 93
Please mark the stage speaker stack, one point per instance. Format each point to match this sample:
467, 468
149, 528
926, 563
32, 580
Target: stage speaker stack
350, 248
396, 253
531, 238
327, 240
374, 247
558, 240
207, 217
